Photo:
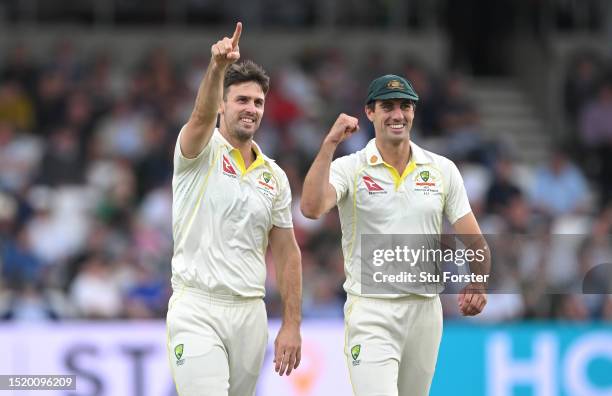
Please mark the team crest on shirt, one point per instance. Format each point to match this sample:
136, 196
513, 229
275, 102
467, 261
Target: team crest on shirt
424, 175
355, 351
427, 181
228, 168
266, 184
373, 187
178, 352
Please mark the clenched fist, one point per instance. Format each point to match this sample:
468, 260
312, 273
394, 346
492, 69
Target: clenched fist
472, 299
344, 127
226, 51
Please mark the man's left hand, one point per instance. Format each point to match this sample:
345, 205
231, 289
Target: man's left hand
472, 299
287, 349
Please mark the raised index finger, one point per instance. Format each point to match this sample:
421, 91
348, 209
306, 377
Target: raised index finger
237, 33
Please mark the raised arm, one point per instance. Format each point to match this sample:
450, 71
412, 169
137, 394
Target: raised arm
201, 123
318, 195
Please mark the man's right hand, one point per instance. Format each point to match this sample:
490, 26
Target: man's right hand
201, 124
226, 51
318, 195
344, 127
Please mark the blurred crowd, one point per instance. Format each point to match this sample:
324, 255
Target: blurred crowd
86, 165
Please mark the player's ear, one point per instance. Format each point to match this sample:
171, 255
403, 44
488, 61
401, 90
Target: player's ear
369, 112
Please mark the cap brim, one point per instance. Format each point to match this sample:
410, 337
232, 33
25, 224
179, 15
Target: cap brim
395, 95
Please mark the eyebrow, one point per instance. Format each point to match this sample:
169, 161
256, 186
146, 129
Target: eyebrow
256, 99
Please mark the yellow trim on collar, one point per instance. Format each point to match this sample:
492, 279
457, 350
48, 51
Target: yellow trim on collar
237, 156
396, 176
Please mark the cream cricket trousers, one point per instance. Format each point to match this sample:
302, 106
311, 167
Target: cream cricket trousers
216, 344
391, 345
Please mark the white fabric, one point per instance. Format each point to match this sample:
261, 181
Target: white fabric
222, 219
223, 343
398, 344
415, 206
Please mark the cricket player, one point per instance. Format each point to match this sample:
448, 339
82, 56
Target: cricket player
391, 340
229, 202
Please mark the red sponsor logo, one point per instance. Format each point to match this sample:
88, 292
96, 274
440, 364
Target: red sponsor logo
227, 166
266, 185
425, 184
371, 185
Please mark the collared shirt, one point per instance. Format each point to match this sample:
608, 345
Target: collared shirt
222, 214
373, 198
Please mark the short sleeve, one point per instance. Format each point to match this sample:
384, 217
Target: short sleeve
339, 177
281, 211
182, 163
457, 204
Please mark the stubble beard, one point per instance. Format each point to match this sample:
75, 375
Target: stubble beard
238, 133
242, 135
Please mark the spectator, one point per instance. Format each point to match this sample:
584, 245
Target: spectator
20, 265
503, 188
19, 157
596, 135
122, 133
62, 163
19, 68
596, 119
429, 99
460, 124
148, 296
28, 303
50, 101
15, 106
559, 187
94, 292
581, 85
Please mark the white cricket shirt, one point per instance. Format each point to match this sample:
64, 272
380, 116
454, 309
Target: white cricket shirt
222, 215
373, 198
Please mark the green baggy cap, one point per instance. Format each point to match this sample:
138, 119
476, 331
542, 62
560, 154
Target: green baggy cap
391, 86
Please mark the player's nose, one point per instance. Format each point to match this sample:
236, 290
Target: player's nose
250, 108
397, 114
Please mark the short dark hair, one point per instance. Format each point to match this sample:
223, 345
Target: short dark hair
246, 71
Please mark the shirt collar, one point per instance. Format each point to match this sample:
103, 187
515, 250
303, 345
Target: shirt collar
260, 156
419, 156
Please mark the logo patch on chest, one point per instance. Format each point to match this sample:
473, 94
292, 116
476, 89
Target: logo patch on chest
266, 184
427, 181
228, 169
372, 186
